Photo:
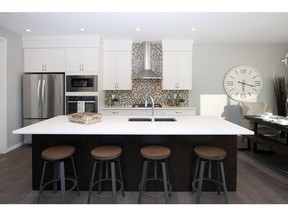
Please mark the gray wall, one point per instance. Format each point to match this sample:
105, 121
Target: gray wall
211, 62
14, 77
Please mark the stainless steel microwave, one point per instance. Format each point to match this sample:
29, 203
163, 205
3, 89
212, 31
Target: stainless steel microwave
81, 83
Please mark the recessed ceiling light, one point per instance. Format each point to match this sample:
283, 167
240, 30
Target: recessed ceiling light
82, 29
28, 30
138, 29
193, 29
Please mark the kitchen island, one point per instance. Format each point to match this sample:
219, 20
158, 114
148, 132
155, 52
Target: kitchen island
181, 136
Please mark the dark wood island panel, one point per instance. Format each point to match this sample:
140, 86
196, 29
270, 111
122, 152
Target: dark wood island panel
181, 163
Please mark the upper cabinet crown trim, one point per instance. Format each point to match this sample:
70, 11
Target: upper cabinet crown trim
177, 45
117, 45
61, 41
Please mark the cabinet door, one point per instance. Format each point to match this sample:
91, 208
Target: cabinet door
117, 69
184, 70
44, 60
124, 70
109, 70
74, 59
34, 60
170, 70
89, 60
55, 60
179, 112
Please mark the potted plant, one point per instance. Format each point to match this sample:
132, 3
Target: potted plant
280, 90
115, 101
181, 101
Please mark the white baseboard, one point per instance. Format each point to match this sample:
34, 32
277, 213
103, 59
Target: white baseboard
11, 148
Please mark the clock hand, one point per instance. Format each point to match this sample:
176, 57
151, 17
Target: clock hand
246, 84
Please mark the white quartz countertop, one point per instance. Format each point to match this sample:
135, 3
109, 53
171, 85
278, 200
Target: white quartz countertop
160, 108
185, 125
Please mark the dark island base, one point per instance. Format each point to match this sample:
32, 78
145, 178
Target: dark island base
181, 163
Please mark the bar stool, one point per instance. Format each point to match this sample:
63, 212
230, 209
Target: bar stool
57, 156
155, 155
106, 155
209, 154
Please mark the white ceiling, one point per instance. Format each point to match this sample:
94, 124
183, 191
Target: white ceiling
213, 27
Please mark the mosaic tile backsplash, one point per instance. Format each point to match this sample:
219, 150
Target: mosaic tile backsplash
142, 89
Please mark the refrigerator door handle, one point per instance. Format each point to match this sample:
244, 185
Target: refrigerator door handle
38, 95
43, 93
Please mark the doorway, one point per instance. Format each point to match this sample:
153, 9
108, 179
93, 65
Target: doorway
3, 90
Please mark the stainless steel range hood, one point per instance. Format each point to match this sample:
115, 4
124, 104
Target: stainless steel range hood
147, 72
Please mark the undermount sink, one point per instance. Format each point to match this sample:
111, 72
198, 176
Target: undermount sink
157, 119
148, 105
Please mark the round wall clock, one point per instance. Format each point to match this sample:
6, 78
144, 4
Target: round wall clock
242, 83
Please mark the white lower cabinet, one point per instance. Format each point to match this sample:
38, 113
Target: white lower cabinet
146, 112
179, 112
115, 111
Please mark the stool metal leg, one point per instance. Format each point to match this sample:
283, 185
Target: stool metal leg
92, 181
100, 176
142, 180
224, 182
200, 183
219, 179
62, 180
56, 172
121, 177
196, 173
113, 175
75, 175
41, 182
165, 181
167, 173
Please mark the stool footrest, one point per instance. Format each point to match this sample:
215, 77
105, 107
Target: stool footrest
94, 193
156, 196
195, 189
56, 194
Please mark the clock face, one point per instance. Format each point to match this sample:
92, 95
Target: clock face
242, 83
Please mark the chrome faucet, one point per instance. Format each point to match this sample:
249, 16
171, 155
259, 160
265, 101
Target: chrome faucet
152, 101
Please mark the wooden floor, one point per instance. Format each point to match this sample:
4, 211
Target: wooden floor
256, 184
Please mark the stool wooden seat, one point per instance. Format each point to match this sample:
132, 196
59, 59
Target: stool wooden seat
106, 152
155, 152
209, 154
106, 155
156, 155
57, 155
58, 152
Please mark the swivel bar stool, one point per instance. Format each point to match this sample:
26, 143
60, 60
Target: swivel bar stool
106, 155
155, 155
57, 156
208, 155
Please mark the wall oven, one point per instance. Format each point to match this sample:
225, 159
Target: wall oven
81, 83
76, 104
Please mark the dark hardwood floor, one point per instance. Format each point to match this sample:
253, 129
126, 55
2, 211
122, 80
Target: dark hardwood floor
256, 184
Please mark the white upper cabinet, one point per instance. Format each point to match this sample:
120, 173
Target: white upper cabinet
117, 65
82, 60
177, 64
44, 60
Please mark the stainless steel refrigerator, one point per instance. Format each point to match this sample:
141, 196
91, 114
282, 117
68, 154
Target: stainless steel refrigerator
43, 98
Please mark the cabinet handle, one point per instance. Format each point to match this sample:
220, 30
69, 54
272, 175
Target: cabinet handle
179, 112
42, 67
45, 67
115, 112
82, 67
